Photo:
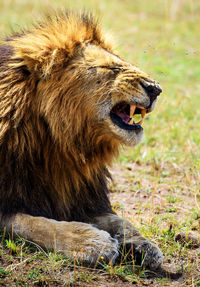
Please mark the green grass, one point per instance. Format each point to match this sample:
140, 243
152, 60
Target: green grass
162, 38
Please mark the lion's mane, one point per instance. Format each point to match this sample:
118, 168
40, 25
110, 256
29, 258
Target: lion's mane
45, 169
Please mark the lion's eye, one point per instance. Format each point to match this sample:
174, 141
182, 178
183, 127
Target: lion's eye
115, 70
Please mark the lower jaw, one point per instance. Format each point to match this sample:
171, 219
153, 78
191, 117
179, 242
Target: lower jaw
118, 121
127, 137
132, 138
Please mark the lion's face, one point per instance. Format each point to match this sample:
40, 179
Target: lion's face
118, 91
98, 90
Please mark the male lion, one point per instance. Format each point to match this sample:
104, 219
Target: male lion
67, 103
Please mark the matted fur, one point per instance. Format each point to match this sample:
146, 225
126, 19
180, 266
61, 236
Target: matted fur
58, 84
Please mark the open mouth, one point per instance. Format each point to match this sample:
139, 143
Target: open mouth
123, 115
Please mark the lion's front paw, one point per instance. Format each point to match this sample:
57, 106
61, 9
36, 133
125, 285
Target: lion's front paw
105, 251
152, 257
99, 247
143, 252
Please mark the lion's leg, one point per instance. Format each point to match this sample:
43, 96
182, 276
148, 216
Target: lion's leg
131, 240
75, 239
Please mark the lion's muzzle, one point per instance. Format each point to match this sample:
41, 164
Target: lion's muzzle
152, 89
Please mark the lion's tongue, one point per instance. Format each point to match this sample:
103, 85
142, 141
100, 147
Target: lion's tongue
125, 118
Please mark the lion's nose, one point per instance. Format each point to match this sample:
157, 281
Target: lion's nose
152, 90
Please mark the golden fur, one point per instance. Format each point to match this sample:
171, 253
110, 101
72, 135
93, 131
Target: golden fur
59, 84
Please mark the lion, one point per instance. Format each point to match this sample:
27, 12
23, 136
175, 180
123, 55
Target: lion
67, 103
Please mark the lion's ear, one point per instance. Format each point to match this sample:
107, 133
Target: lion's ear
41, 58
45, 63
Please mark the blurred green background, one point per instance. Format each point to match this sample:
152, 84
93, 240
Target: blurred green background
161, 37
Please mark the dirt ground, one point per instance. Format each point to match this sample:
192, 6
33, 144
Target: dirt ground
162, 198
160, 204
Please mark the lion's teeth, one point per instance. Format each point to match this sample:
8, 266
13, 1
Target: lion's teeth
143, 113
131, 122
132, 110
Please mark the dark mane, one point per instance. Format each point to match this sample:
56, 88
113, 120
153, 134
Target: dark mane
36, 176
